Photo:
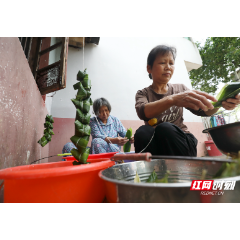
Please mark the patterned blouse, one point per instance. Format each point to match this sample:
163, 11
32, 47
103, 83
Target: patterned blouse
112, 128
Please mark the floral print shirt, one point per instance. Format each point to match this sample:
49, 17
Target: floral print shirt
113, 128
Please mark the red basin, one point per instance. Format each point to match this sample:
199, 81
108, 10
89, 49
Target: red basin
57, 182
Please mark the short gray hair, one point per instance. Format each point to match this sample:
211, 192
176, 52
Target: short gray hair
98, 103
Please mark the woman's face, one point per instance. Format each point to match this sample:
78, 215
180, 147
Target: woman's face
104, 113
162, 69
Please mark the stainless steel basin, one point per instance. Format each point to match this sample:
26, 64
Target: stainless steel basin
121, 188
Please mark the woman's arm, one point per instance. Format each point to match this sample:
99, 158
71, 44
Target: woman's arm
121, 140
118, 140
154, 109
189, 99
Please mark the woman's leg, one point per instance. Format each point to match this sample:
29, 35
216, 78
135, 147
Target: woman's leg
142, 137
168, 140
99, 145
171, 140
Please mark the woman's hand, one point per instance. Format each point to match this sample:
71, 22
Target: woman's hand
121, 141
193, 99
132, 140
231, 103
118, 140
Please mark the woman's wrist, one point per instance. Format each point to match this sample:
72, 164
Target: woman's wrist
108, 139
171, 100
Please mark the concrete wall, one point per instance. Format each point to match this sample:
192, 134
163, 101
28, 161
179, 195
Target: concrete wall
22, 109
117, 68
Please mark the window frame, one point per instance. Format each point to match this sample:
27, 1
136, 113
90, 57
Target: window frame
34, 64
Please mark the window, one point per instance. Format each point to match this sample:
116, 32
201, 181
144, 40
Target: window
47, 58
26, 43
50, 66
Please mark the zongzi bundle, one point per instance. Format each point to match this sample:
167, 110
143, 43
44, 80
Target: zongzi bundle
49, 118
81, 157
43, 141
78, 103
86, 105
48, 125
48, 130
88, 94
82, 103
230, 90
80, 142
48, 137
82, 130
83, 118
82, 93
81, 75
86, 82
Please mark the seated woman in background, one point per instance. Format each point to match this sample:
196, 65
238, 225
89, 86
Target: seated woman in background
106, 129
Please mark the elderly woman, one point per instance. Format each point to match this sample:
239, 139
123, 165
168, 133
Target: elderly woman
165, 102
108, 133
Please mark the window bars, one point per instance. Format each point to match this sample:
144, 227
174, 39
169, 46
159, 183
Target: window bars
26, 43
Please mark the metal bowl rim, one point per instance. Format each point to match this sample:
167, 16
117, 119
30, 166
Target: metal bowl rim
222, 126
164, 185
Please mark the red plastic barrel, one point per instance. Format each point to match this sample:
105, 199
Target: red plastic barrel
212, 149
57, 182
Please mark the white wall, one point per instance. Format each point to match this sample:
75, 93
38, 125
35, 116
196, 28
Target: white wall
117, 68
54, 56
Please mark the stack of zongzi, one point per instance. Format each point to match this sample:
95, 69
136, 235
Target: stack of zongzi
48, 132
82, 103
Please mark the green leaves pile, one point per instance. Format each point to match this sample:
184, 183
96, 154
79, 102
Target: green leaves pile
82, 103
153, 178
48, 132
229, 170
220, 58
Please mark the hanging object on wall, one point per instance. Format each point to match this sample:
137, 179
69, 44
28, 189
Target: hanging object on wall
82, 102
48, 132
